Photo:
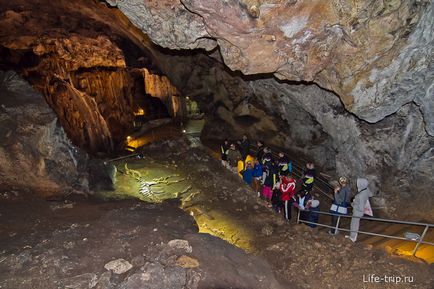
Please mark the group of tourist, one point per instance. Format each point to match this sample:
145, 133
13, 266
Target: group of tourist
272, 179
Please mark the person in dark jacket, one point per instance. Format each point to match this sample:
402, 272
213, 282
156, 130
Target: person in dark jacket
285, 165
267, 157
307, 182
260, 150
257, 177
270, 178
244, 147
233, 157
341, 198
224, 153
276, 199
312, 215
310, 170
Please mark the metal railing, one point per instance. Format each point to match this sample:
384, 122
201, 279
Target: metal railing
418, 241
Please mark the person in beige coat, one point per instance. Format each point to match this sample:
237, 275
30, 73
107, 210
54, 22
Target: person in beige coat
363, 194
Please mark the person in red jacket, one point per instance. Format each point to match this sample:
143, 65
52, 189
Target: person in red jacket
287, 188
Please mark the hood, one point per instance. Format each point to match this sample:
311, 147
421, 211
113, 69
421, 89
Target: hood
314, 203
363, 184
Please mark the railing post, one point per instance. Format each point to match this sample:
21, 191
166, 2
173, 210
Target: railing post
337, 224
420, 240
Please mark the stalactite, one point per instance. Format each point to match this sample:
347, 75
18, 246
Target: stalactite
158, 85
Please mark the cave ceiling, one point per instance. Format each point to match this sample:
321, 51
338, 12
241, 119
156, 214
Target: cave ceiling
376, 55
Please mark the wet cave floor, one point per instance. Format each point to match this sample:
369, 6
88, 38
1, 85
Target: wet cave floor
53, 244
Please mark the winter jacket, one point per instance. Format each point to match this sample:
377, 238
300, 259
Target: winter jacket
308, 182
267, 159
244, 147
287, 187
283, 164
260, 153
248, 176
362, 196
271, 176
257, 170
342, 196
310, 172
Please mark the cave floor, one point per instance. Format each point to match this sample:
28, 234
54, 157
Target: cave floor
50, 245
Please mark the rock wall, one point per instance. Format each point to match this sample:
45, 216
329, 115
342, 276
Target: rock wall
85, 58
78, 60
35, 154
396, 154
86, 82
376, 55
373, 59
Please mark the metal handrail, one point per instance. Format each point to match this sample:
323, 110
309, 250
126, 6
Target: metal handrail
418, 241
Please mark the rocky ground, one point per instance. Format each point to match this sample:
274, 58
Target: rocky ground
82, 243
125, 244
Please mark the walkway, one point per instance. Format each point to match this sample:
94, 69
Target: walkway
323, 190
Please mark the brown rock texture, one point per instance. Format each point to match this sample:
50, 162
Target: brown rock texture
93, 106
88, 60
83, 59
376, 55
35, 153
395, 154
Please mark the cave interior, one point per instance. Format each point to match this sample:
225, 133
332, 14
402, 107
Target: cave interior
91, 91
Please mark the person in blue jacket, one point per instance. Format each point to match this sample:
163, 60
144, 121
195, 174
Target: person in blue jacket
247, 174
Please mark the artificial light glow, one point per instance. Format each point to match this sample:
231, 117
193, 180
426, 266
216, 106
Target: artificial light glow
128, 138
139, 111
219, 224
184, 131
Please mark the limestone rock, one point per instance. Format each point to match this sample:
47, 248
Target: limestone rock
35, 153
187, 262
180, 244
104, 281
83, 281
118, 266
154, 275
375, 56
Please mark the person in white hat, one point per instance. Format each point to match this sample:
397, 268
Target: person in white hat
358, 207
